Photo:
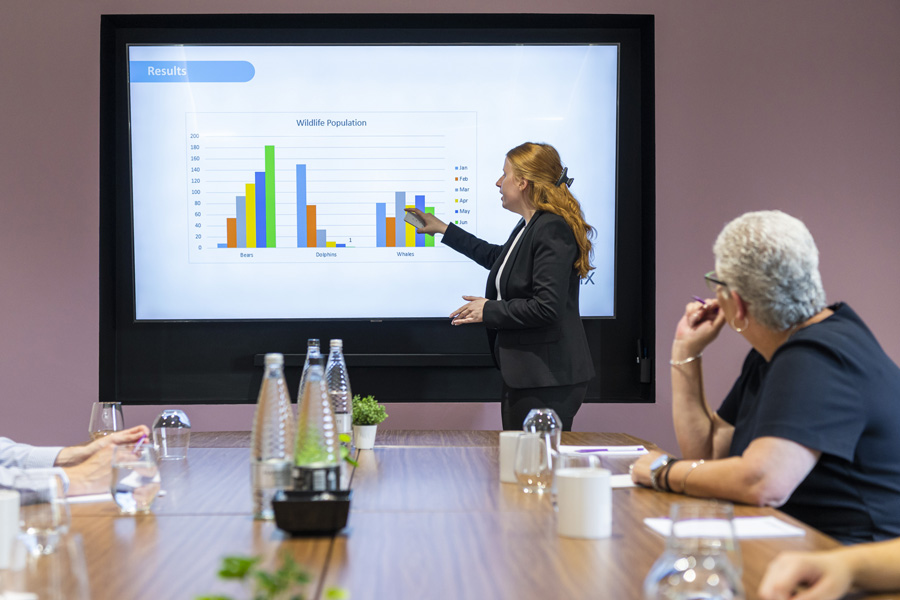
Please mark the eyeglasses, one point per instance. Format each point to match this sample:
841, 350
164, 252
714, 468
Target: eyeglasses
712, 281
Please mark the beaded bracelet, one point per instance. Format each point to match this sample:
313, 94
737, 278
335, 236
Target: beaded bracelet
690, 359
694, 465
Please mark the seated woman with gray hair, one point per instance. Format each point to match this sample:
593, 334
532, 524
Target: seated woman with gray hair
812, 424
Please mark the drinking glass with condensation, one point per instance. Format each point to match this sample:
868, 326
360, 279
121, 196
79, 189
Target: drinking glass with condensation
135, 477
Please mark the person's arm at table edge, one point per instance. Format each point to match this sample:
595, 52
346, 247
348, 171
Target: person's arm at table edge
766, 474
829, 575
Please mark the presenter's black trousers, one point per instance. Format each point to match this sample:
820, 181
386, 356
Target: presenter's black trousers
517, 402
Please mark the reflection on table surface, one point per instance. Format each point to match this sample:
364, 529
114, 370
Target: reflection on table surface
429, 519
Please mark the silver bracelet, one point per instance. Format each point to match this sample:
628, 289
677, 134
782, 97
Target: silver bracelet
690, 359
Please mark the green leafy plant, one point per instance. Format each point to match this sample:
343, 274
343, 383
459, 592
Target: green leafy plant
285, 583
368, 411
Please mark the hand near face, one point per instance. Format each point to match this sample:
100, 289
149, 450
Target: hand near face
472, 312
699, 326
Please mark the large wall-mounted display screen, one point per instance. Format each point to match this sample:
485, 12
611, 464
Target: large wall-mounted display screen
255, 170
268, 178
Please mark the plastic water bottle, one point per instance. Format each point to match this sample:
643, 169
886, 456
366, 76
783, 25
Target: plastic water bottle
316, 457
273, 433
338, 381
312, 345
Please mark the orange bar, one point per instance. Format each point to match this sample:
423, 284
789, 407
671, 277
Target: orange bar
231, 227
391, 237
310, 225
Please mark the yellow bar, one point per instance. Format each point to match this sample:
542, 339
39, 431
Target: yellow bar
251, 214
410, 233
331, 244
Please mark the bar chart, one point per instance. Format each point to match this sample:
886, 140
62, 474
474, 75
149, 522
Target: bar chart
276, 187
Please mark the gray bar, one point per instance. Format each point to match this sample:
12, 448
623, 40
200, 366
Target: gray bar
320, 238
400, 224
240, 209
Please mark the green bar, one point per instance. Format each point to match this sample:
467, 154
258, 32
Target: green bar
270, 196
429, 239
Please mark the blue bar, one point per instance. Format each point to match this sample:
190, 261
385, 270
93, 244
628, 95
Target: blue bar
340, 245
183, 71
380, 225
320, 238
260, 209
400, 224
420, 204
301, 206
225, 245
240, 210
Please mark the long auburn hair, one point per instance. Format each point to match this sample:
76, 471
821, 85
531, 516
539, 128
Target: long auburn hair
540, 165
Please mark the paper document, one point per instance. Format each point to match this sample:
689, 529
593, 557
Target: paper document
744, 527
89, 498
618, 450
621, 481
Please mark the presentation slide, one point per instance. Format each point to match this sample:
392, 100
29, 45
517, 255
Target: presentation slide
270, 182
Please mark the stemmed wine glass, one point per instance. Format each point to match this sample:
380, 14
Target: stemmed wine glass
106, 418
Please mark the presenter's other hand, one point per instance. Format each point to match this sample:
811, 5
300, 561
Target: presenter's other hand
806, 576
432, 223
698, 327
471, 312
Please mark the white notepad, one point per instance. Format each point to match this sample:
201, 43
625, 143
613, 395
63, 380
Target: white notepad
745, 527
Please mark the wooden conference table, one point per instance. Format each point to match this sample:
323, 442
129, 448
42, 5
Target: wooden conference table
429, 519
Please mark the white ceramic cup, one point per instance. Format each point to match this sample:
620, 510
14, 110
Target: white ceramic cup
9, 524
508, 442
584, 498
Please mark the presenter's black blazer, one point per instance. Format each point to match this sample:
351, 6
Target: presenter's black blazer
535, 330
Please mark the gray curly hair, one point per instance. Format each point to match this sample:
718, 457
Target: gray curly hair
771, 260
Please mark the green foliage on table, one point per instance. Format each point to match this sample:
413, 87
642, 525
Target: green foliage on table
345, 450
285, 583
368, 411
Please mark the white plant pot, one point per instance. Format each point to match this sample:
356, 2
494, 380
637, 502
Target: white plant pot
364, 436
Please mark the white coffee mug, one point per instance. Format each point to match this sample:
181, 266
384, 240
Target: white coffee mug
584, 497
9, 524
508, 442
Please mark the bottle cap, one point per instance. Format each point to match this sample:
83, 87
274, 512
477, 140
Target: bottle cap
312, 342
274, 358
337, 343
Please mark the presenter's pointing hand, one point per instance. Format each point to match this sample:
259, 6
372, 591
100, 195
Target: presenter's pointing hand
432, 223
472, 312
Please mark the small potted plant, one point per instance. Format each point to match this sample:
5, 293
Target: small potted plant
367, 414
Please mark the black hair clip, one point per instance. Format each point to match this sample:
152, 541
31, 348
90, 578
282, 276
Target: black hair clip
564, 180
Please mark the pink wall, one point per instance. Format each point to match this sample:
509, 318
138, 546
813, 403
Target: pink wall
764, 104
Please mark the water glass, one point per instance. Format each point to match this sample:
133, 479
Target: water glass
562, 460
43, 511
702, 557
546, 422
135, 478
106, 418
61, 575
171, 435
533, 466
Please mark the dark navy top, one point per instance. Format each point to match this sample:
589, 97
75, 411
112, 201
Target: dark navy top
831, 388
